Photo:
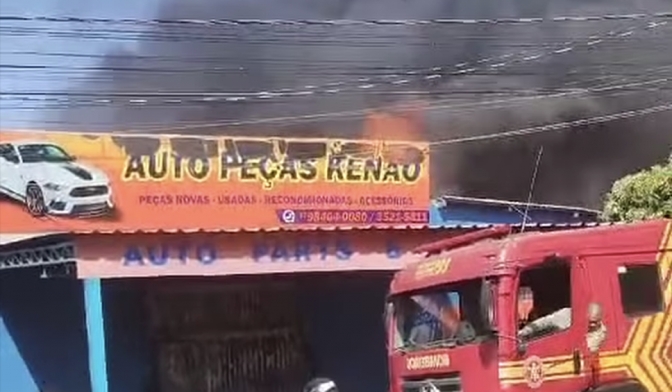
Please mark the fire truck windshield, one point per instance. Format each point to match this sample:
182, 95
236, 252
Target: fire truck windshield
442, 316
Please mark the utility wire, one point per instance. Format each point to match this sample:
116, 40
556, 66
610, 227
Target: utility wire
560, 126
467, 108
456, 108
397, 79
521, 132
333, 22
445, 105
462, 108
433, 106
400, 78
303, 38
442, 105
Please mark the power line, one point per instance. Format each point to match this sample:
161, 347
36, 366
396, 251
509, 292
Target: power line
502, 103
439, 104
305, 37
560, 126
521, 132
444, 105
404, 78
395, 79
326, 22
277, 39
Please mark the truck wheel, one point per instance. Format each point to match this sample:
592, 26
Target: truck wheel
35, 201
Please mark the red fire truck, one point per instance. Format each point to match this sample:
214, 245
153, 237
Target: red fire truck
559, 311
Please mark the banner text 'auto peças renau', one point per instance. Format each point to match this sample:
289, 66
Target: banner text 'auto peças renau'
280, 160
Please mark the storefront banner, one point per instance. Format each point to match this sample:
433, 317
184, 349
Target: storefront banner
146, 255
83, 182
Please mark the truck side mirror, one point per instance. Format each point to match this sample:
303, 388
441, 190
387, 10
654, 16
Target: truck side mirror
488, 306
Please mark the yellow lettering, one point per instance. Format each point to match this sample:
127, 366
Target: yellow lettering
430, 268
164, 166
377, 171
147, 167
269, 171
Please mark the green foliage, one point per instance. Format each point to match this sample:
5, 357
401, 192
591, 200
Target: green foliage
643, 195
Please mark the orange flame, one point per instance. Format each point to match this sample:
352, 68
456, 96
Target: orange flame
390, 125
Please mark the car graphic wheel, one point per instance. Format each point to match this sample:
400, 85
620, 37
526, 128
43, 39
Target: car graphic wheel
35, 201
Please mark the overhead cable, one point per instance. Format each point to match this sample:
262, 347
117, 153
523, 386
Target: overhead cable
447, 105
520, 132
559, 126
66, 103
397, 79
492, 64
325, 22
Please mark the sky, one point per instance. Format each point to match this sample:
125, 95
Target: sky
11, 45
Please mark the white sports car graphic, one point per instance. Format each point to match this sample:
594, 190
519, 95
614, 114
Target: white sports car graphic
48, 180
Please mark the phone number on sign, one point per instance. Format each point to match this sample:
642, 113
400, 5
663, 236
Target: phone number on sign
354, 217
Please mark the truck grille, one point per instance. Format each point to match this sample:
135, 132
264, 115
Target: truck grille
87, 191
451, 383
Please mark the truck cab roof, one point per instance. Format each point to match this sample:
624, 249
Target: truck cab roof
496, 256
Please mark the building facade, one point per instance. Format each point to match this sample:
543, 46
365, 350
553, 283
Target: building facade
214, 265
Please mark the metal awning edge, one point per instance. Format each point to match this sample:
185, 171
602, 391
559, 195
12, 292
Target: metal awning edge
453, 226
15, 238
11, 238
442, 201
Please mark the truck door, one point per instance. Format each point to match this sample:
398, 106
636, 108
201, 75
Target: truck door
553, 301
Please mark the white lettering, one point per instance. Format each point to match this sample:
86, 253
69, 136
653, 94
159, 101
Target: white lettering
428, 362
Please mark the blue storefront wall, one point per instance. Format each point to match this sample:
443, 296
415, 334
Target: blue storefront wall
43, 341
42, 333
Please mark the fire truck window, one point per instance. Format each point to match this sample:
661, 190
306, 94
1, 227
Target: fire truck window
450, 314
641, 293
544, 300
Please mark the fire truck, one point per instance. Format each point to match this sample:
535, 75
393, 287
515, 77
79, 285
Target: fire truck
575, 310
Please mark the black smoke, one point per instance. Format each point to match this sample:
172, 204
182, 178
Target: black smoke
577, 166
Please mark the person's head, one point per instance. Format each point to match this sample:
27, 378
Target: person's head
594, 316
320, 384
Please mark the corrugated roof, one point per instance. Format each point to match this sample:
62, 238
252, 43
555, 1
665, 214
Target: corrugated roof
257, 229
16, 238
352, 228
442, 201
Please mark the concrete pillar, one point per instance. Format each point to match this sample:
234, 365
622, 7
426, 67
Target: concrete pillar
95, 333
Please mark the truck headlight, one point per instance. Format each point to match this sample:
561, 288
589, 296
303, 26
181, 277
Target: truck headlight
53, 186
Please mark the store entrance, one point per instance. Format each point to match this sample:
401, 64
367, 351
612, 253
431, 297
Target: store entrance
224, 336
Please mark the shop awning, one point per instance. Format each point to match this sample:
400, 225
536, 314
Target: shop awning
6, 239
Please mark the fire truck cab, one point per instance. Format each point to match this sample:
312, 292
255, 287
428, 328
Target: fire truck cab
557, 311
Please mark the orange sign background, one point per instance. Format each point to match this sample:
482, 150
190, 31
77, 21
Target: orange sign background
183, 183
